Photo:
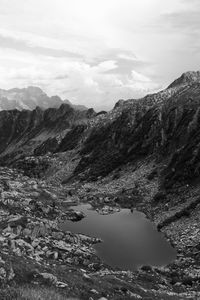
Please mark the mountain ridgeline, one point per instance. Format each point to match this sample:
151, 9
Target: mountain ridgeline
142, 156
29, 98
21, 132
162, 127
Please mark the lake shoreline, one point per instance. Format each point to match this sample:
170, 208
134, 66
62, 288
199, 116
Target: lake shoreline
36, 253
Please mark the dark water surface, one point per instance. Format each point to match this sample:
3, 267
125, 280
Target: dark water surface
129, 239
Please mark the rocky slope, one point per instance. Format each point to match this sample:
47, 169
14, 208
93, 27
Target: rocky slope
38, 256
142, 154
21, 132
29, 98
165, 125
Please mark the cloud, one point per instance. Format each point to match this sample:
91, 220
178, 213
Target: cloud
185, 24
78, 81
123, 62
33, 44
95, 52
185, 20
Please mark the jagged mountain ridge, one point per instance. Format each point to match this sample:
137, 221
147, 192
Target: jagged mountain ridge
159, 125
22, 131
140, 155
29, 98
186, 78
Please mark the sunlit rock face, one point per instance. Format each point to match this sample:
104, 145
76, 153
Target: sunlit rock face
186, 78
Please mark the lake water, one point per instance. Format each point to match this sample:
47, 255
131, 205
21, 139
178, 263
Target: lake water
129, 239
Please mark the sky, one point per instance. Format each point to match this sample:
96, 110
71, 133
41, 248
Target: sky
95, 52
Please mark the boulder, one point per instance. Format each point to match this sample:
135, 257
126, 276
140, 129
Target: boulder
18, 220
48, 278
2, 273
61, 245
76, 216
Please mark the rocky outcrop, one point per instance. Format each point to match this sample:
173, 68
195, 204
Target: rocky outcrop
186, 78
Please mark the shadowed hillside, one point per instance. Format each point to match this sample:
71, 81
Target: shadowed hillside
144, 155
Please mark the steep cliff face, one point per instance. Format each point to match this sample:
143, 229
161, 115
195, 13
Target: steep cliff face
181, 132
23, 132
165, 125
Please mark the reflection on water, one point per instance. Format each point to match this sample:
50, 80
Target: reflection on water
129, 239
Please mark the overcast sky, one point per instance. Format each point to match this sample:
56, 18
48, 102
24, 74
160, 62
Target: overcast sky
95, 52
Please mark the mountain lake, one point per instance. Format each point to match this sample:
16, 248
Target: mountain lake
129, 238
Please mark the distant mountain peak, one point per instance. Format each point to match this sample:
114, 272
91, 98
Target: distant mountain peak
29, 98
30, 89
186, 78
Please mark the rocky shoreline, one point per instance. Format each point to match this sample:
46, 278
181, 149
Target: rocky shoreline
35, 252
